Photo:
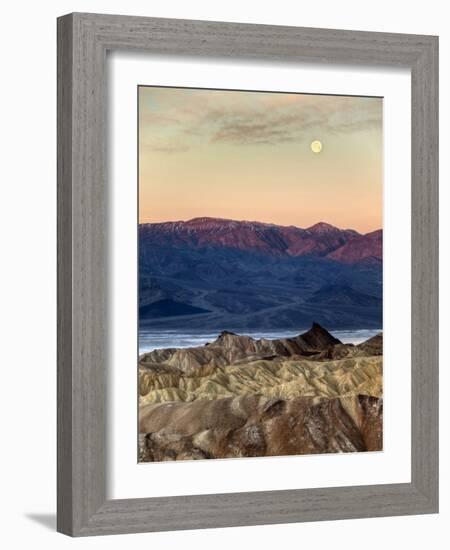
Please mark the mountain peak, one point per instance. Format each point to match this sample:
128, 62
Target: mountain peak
366, 248
206, 219
209, 223
322, 227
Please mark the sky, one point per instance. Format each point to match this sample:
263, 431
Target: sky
247, 156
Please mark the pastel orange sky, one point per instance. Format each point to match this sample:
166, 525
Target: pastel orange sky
247, 156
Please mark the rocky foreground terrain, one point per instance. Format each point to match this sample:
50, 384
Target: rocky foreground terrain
241, 397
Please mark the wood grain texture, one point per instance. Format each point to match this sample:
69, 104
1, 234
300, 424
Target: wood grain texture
64, 300
424, 276
83, 40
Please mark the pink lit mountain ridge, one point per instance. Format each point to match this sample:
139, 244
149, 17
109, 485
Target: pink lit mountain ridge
320, 240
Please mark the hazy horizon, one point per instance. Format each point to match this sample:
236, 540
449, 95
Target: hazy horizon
247, 156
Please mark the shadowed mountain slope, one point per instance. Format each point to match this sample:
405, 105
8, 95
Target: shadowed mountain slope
222, 274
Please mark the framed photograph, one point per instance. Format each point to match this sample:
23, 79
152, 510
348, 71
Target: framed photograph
247, 274
234, 296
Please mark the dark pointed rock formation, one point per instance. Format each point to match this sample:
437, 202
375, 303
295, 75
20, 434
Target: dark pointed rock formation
229, 348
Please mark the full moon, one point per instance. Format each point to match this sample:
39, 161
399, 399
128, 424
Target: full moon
316, 146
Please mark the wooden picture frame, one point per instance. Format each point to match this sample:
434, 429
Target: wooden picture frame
83, 41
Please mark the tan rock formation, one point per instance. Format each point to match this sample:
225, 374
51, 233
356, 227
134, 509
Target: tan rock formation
238, 396
257, 426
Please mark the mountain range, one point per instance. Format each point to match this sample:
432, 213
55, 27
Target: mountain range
212, 273
320, 240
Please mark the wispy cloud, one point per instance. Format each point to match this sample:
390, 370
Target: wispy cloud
179, 119
168, 147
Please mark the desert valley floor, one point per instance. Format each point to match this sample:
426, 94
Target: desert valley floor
242, 397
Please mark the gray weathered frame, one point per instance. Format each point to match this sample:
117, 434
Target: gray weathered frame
83, 41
